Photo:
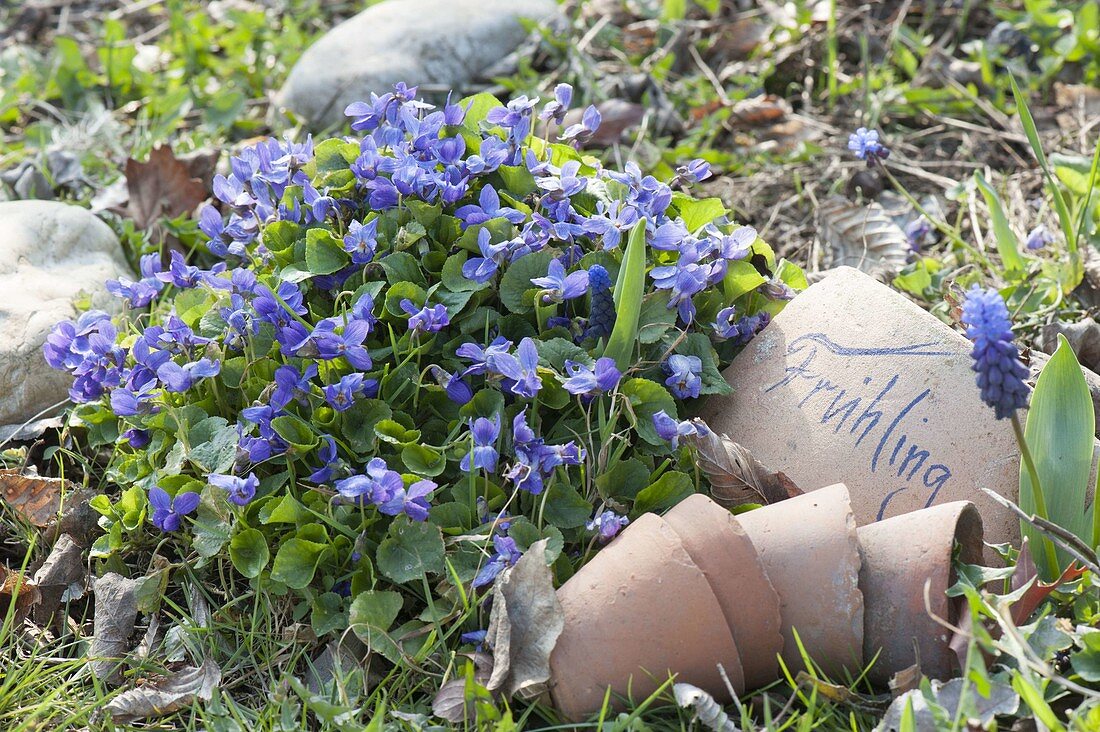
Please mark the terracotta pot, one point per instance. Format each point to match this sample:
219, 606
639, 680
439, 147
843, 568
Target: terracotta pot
725, 554
639, 611
810, 552
901, 555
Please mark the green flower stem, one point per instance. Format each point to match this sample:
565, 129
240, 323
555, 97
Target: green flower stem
1036, 491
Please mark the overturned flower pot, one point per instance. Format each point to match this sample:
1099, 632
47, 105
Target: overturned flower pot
732, 566
641, 610
810, 552
900, 557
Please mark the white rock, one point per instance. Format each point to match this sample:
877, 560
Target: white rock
441, 43
51, 254
853, 383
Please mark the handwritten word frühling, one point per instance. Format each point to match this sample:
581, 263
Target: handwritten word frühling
895, 452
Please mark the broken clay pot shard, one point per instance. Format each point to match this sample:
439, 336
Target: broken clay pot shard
901, 556
638, 612
863, 387
729, 561
810, 551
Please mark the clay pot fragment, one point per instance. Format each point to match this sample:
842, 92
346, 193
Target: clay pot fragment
901, 555
638, 612
810, 552
728, 559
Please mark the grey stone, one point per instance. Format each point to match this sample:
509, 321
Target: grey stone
51, 255
439, 43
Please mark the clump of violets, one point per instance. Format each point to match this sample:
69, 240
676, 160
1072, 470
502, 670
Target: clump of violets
1001, 374
398, 358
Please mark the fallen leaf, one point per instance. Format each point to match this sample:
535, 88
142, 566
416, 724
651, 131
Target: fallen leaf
861, 236
998, 699
759, 111
116, 609
161, 187
449, 702
61, 578
737, 40
923, 719
735, 476
13, 585
166, 694
524, 625
708, 711
36, 499
1035, 594
339, 660
905, 680
1083, 337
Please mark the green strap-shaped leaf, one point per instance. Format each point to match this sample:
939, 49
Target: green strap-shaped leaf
1059, 433
1008, 246
629, 289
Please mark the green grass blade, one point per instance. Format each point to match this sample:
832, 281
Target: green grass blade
629, 290
1008, 246
1059, 433
1032, 133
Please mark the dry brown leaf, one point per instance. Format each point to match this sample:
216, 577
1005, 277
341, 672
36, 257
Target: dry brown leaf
524, 625
116, 609
1083, 337
25, 593
861, 236
49, 503
161, 187
759, 111
166, 694
61, 577
735, 476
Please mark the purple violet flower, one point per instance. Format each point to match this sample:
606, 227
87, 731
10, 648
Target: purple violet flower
426, 319
482, 269
558, 286
607, 525
507, 554
169, 511
1039, 237
484, 454
669, 429
591, 382
555, 110
579, 134
413, 501
361, 241
341, 395
239, 490
684, 381
487, 209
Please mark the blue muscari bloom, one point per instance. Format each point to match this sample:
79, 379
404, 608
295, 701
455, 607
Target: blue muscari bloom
996, 359
507, 554
684, 381
292, 385
341, 395
865, 144
482, 269
486, 209
168, 511
607, 525
484, 454
672, 430
330, 461
558, 286
377, 487
361, 241
426, 319
582, 132
140, 293
411, 501
1039, 237
739, 330
555, 110
601, 312
238, 490
591, 382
